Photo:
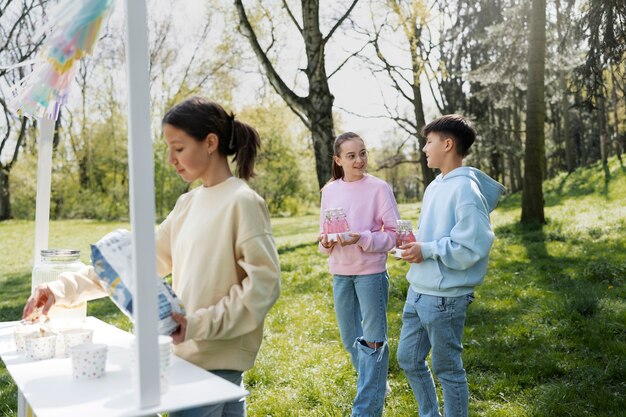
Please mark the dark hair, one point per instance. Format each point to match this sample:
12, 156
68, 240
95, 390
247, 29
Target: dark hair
455, 126
198, 116
337, 170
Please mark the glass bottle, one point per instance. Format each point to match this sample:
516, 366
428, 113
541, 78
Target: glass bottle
54, 262
326, 224
410, 237
334, 224
343, 222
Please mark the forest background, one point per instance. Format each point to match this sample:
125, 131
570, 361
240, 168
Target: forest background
543, 101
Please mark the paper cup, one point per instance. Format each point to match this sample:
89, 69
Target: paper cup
40, 346
88, 360
73, 337
398, 252
21, 331
165, 351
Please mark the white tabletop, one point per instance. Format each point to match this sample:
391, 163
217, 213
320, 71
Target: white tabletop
51, 391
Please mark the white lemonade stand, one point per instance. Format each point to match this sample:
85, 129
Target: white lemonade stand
47, 388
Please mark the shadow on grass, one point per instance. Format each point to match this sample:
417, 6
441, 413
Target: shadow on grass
546, 330
287, 249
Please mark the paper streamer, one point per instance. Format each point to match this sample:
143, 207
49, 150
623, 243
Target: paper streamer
73, 34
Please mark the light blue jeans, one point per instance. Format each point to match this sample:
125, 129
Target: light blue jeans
361, 309
435, 324
232, 409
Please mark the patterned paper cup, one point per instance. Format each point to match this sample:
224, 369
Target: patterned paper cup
40, 346
20, 332
88, 360
73, 337
165, 350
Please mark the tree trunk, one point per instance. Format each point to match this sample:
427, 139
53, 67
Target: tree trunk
322, 133
418, 107
566, 134
427, 174
616, 139
5, 195
517, 129
316, 109
601, 114
534, 155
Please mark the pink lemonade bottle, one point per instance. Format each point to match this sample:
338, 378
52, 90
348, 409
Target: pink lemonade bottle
333, 221
401, 237
399, 233
326, 224
410, 236
343, 222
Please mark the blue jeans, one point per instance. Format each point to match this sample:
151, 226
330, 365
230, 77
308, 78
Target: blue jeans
361, 309
435, 324
232, 409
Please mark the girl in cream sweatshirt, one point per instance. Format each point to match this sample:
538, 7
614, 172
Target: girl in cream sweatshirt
217, 244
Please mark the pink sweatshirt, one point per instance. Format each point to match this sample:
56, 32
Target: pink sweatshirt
372, 211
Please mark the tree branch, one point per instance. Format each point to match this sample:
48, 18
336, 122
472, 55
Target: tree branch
293, 18
8, 132
292, 99
340, 21
20, 139
346, 60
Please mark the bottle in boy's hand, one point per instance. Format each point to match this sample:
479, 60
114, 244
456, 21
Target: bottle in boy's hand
404, 235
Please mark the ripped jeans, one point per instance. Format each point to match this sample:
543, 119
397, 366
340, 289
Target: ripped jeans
361, 309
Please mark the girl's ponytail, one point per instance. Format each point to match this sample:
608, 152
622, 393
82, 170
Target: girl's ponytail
244, 144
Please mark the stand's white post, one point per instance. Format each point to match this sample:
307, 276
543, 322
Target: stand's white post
22, 406
44, 180
142, 206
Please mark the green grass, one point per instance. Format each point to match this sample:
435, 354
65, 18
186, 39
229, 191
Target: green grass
546, 335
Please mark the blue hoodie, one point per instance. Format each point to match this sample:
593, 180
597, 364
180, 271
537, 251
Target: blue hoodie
455, 233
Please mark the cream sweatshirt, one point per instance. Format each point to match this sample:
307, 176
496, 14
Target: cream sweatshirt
217, 244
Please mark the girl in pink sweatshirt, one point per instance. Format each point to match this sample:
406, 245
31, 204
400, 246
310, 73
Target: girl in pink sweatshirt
358, 262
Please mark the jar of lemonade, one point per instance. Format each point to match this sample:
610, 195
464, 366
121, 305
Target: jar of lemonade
53, 262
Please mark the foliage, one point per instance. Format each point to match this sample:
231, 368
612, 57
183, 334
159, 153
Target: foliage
546, 335
280, 166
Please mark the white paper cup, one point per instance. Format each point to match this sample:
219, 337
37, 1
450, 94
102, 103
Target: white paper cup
165, 351
73, 337
398, 252
88, 360
21, 331
40, 346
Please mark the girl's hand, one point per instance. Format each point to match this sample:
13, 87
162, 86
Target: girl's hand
323, 239
43, 299
354, 237
179, 335
412, 252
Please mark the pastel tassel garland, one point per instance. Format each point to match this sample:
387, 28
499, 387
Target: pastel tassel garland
75, 29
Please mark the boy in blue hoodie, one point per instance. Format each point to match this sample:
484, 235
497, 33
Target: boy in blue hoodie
448, 260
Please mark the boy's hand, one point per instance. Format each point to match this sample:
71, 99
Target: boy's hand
354, 237
412, 252
323, 239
